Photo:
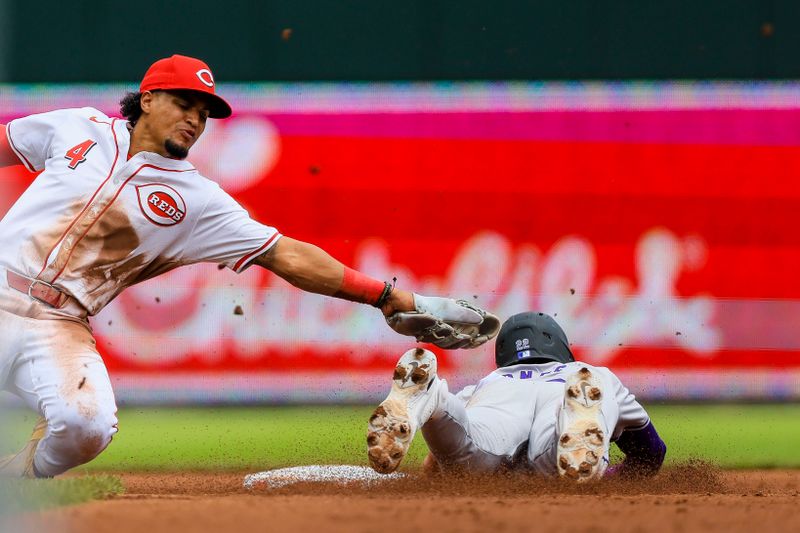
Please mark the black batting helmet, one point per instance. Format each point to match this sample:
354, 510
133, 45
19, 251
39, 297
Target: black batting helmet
531, 338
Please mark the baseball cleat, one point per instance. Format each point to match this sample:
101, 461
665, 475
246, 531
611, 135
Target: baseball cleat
20, 464
582, 450
410, 404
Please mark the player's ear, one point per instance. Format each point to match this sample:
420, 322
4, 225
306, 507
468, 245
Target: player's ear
146, 101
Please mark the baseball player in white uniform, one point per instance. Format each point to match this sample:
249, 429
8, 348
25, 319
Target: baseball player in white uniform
115, 203
540, 411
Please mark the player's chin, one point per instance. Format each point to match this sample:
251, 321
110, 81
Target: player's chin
176, 149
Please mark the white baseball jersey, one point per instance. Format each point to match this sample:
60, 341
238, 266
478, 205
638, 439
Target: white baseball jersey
94, 222
515, 409
547, 380
620, 409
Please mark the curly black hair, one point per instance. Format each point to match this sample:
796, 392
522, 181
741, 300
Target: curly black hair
131, 107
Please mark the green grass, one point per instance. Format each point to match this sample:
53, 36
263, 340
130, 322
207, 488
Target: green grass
733, 436
37, 494
259, 438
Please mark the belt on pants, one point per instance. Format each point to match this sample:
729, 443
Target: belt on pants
37, 289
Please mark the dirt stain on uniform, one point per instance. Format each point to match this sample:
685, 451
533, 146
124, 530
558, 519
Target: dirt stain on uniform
42, 241
87, 411
107, 246
91, 445
104, 258
73, 346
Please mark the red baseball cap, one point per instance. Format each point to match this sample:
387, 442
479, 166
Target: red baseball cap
189, 74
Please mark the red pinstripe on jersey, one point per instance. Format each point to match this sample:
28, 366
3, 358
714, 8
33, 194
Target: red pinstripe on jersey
19, 154
116, 195
85, 208
247, 258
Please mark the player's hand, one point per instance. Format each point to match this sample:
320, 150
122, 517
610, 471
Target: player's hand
445, 322
431, 466
399, 300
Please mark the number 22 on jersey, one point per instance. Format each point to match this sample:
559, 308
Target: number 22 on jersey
77, 154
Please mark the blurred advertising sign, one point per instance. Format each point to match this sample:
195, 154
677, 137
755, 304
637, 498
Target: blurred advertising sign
656, 221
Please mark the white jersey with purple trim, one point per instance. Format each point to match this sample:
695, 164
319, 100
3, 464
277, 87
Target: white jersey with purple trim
94, 222
549, 379
516, 409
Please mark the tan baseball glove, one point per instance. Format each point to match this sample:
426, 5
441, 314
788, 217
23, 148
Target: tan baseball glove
445, 322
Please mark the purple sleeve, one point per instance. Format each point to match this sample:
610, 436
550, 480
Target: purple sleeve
644, 452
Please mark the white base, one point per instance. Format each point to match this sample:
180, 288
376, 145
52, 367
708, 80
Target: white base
341, 474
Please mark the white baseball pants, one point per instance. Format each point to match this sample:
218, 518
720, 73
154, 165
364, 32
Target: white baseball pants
52, 363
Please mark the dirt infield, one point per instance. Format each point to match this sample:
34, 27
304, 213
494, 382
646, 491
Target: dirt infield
690, 498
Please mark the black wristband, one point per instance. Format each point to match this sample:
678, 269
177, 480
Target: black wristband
387, 290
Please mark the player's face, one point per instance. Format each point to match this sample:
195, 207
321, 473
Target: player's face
175, 120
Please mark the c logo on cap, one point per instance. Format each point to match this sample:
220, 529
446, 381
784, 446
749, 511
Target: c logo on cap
204, 75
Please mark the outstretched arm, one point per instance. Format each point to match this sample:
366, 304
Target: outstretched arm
312, 269
444, 322
7, 155
644, 452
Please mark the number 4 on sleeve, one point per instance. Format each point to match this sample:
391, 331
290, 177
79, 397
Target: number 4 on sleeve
77, 154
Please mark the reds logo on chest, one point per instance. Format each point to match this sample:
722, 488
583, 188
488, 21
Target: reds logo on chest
161, 204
